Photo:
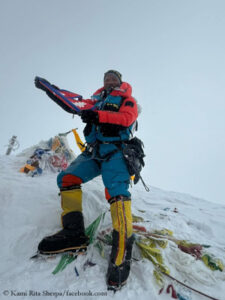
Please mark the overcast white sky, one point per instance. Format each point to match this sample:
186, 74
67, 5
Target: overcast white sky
171, 51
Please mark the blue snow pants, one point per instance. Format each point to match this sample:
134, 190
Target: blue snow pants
114, 172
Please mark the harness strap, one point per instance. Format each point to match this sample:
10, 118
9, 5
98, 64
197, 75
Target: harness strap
93, 148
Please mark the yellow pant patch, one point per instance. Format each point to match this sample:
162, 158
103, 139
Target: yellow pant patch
122, 223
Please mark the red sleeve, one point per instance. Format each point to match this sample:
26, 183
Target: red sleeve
126, 116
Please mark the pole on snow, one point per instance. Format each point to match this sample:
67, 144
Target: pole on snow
13, 144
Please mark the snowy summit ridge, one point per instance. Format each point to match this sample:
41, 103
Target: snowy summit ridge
31, 210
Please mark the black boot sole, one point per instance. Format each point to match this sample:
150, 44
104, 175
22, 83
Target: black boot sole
82, 248
72, 251
115, 288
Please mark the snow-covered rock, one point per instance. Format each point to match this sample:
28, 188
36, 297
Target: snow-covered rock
30, 210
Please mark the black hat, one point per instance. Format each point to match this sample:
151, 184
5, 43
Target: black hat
116, 73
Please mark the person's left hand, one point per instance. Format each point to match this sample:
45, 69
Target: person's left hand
89, 116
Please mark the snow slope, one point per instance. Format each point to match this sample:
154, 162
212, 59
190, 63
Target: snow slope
30, 209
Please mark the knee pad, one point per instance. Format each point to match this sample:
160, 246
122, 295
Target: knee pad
67, 180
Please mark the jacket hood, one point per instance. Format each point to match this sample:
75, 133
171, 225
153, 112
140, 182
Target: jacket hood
125, 90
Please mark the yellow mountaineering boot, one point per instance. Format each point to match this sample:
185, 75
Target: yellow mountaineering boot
72, 236
120, 258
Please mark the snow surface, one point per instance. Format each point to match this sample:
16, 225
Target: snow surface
30, 210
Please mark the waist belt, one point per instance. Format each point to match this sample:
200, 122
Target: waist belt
94, 149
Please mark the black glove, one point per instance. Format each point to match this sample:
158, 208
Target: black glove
89, 116
39, 85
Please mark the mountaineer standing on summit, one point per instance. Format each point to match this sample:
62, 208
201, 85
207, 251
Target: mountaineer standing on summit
108, 126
